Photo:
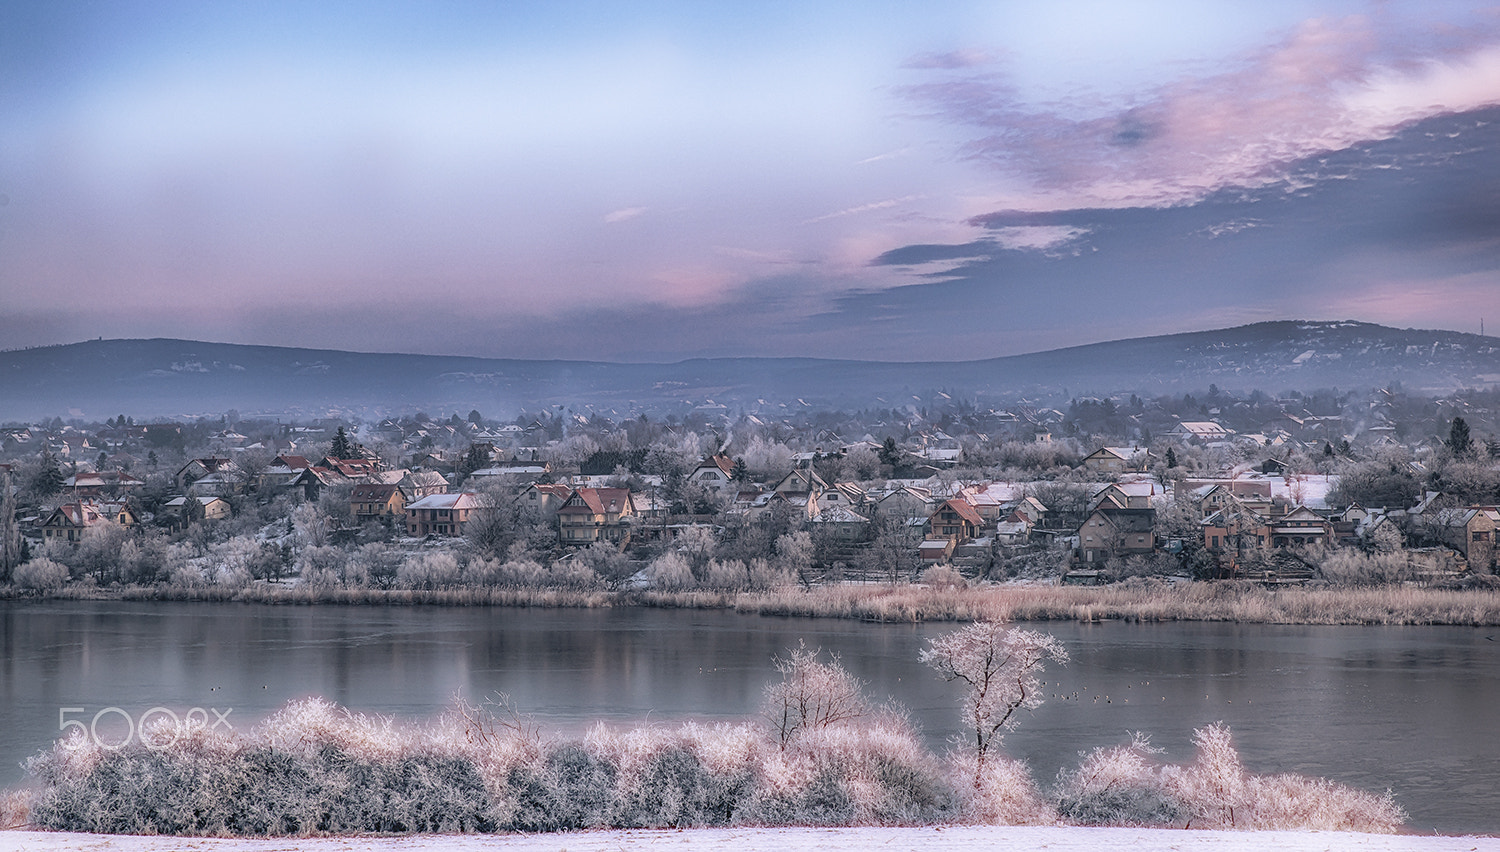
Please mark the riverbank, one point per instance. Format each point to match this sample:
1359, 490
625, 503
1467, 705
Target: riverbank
927, 839
1241, 602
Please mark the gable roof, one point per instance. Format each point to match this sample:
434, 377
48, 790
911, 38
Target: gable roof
599, 501
963, 510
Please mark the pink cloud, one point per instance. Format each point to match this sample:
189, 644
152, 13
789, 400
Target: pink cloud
1327, 85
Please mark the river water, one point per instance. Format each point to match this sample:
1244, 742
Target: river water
1412, 709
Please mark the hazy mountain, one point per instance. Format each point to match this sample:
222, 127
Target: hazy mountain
101, 378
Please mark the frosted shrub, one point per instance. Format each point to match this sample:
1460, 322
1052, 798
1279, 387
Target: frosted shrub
1219, 793
15, 809
574, 575
428, 571
230, 563
41, 575
670, 572
1120, 785
766, 575
1349, 566
321, 566
692, 776
569, 789
727, 576
1003, 792
875, 772
1124, 785
943, 577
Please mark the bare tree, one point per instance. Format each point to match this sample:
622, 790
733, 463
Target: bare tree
811, 695
998, 667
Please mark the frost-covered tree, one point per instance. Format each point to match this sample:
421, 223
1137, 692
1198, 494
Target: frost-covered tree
811, 694
998, 667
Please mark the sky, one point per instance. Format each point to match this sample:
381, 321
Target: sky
653, 181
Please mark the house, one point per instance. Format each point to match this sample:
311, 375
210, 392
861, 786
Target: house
371, 501
196, 469
595, 514
1130, 495
281, 470
214, 508
905, 502
801, 481
1300, 527
1110, 531
715, 473
311, 481
1117, 460
97, 484
955, 520
423, 483
1216, 495
1199, 431
1028, 509
70, 521
541, 500
840, 523
1472, 532
1232, 533
441, 514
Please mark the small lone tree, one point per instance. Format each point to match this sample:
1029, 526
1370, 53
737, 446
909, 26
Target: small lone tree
998, 667
811, 695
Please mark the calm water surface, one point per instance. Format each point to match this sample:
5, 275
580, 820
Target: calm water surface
1412, 709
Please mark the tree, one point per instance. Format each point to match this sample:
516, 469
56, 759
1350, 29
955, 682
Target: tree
998, 667
476, 418
1460, 443
889, 453
343, 447
1171, 458
738, 471
477, 458
48, 478
811, 695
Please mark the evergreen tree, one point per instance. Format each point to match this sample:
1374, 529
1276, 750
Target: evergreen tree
738, 471
476, 458
342, 448
1171, 458
48, 479
1460, 442
889, 453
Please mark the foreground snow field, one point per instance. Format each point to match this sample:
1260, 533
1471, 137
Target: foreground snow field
927, 839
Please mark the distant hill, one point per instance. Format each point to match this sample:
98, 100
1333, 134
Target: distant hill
150, 378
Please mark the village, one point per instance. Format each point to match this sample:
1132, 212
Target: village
1359, 488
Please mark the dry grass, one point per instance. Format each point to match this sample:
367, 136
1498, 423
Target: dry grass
1223, 601
1141, 601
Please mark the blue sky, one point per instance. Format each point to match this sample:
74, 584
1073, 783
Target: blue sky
654, 181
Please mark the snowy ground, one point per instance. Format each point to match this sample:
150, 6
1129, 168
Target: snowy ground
931, 839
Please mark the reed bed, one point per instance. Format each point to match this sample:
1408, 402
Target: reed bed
1231, 601
1237, 602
